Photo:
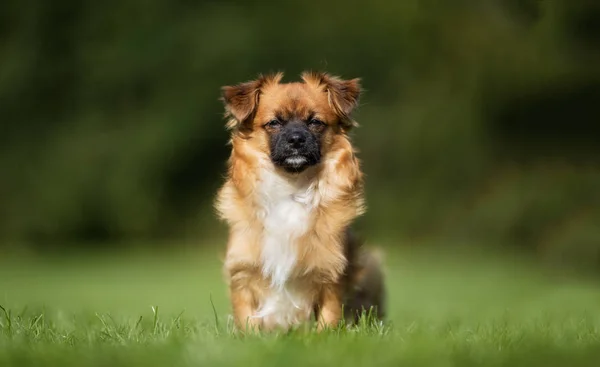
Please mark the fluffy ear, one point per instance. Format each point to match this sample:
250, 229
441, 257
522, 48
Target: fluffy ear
343, 94
241, 100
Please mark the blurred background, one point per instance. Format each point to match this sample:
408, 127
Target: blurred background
479, 121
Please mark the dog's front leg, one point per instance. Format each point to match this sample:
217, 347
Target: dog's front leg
243, 302
329, 308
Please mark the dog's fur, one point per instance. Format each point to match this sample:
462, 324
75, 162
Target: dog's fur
293, 188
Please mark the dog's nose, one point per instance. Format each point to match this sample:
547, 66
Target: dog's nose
296, 140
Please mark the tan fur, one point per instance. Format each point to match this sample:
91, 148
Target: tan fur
320, 272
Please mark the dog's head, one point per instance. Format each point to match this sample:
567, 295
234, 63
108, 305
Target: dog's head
293, 123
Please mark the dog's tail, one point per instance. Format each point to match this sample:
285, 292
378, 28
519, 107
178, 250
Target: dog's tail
368, 288
376, 257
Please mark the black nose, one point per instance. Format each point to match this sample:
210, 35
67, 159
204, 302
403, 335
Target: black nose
296, 140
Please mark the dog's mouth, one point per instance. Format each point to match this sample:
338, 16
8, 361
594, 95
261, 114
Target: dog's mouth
295, 163
296, 160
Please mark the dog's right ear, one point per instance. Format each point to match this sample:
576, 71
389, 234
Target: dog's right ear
241, 100
343, 94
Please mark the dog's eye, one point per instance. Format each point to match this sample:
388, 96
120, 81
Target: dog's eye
316, 122
273, 123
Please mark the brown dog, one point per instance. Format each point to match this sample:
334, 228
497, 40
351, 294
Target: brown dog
293, 188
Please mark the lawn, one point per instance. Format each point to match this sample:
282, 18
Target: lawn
170, 309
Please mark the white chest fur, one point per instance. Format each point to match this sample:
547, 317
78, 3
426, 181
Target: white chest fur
287, 206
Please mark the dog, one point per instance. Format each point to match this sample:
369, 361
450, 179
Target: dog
293, 188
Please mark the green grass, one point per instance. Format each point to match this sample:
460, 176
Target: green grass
171, 310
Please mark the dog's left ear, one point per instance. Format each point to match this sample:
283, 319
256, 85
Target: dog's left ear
241, 100
343, 94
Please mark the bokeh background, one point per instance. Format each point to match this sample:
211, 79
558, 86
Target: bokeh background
479, 121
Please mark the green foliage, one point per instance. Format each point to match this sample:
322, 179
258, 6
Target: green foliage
111, 125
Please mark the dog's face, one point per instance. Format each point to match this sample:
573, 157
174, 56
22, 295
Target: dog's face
293, 124
295, 141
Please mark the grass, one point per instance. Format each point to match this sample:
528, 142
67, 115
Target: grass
446, 309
